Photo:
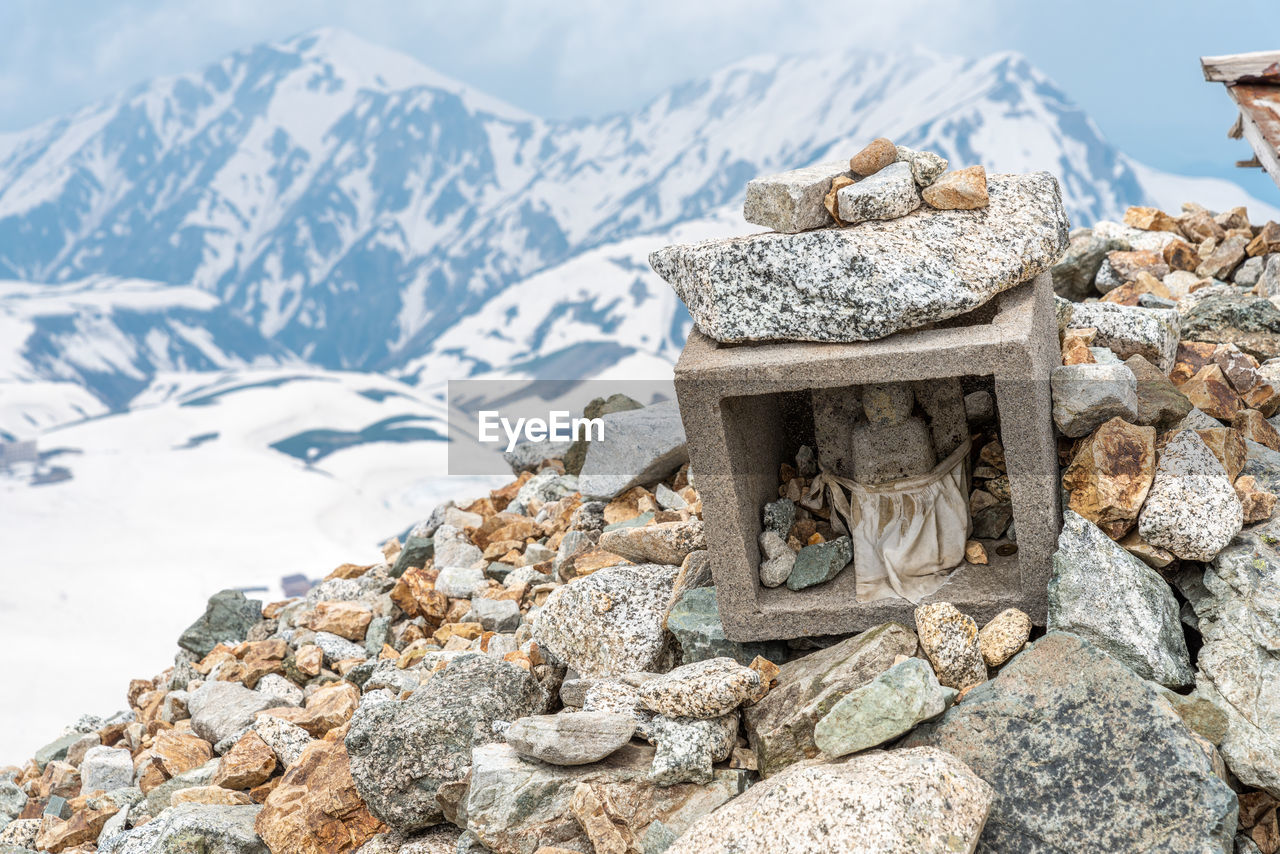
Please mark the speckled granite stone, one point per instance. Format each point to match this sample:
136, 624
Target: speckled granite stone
1107, 596
703, 689
1130, 330
610, 622
888, 194
686, 748
1192, 509
1002, 638
792, 201
950, 639
571, 738
1085, 396
899, 802
926, 167
871, 280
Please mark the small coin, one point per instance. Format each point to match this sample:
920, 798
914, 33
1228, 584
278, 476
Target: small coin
1006, 549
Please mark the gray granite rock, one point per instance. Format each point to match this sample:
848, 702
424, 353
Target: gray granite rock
452, 548
403, 752
926, 167
336, 648
1107, 596
950, 639
56, 750
863, 283
616, 697
1073, 275
1088, 395
899, 802
158, 799
891, 704
1159, 401
1152, 333
686, 748
416, 551
496, 615
526, 456
888, 194
694, 621
819, 563
609, 622
793, 201
780, 726
1248, 273
286, 740
666, 542
886, 452
1269, 282
574, 738
779, 516
222, 709
460, 582
1192, 509
515, 805
227, 617
106, 769
193, 828
19, 834
702, 689
777, 559
12, 801
1084, 756
640, 447
1230, 316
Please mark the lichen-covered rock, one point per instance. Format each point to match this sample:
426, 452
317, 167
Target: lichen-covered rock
1152, 333
666, 543
885, 708
1107, 596
1192, 509
863, 283
227, 617
819, 563
1112, 766
573, 738
703, 689
888, 194
1003, 637
315, 809
610, 622
516, 805
780, 726
402, 752
194, 828
1087, 395
900, 802
1230, 317
1110, 475
686, 748
950, 639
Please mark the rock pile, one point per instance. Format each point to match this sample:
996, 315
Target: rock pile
544, 670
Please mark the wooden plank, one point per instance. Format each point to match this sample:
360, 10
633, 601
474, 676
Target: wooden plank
1261, 65
1260, 122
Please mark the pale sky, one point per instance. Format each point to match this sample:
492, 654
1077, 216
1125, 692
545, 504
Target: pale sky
1132, 64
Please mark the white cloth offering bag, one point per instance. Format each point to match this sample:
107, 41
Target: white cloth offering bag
907, 534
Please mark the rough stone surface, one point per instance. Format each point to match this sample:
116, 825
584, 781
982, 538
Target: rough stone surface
514, 805
694, 621
1230, 317
1107, 596
703, 689
926, 166
249, 763
193, 828
950, 639
576, 738
640, 446
900, 802
685, 749
106, 769
666, 542
864, 283
286, 740
1192, 509
780, 727
1115, 768
1159, 401
1209, 392
223, 709
402, 752
962, 190
888, 194
1073, 275
777, 559
792, 201
1003, 637
315, 809
820, 563
877, 154
885, 452
891, 704
1111, 474
1152, 333
610, 622
1087, 395
227, 617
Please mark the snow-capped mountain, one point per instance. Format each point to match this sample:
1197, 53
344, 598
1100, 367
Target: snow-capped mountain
361, 210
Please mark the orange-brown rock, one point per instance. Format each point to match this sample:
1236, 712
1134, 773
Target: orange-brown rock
1153, 556
258, 658
329, 707
176, 751
1180, 255
210, 796
1266, 241
1075, 346
466, 631
975, 553
309, 658
258, 794
345, 619
1111, 474
415, 593
1228, 446
82, 828
349, 570
589, 560
59, 779
1129, 292
831, 201
1210, 392
505, 495
1127, 264
136, 689
1258, 503
1150, 219
248, 763
626, 506
1237, 217
1251, 424
1263, 397
1240, 369
315, 809
876, 155
273, 609
1198, 226
1192, 356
